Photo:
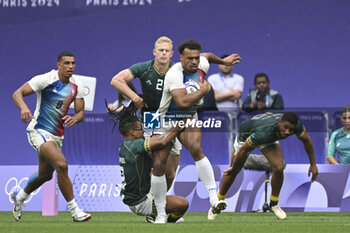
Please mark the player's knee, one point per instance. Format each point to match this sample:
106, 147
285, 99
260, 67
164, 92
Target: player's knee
183, 204
61, 166
278, 170
196, 151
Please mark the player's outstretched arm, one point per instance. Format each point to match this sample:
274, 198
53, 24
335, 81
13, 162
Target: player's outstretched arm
228, 61
309, 148
238, 159
120, 83
159, 141
18, 98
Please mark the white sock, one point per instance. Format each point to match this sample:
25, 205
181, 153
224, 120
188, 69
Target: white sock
206, 175
22, 196
72, 205
158, 189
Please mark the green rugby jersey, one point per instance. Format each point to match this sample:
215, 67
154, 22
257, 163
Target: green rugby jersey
152, 82
135, 167
340, 144
262, 129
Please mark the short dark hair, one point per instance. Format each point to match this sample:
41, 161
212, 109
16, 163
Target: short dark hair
261, 75
189, 44
64, 54
291, 117
345, 109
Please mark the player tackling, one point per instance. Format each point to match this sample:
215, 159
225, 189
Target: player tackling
135, 159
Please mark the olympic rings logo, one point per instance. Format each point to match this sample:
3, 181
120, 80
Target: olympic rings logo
13, 185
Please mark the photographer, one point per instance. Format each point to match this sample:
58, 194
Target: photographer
262, 97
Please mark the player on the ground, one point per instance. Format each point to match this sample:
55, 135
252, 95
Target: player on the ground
151, 74
193, 66
264, 131
135, 161
56, 90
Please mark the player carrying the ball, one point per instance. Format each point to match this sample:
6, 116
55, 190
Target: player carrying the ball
175, 98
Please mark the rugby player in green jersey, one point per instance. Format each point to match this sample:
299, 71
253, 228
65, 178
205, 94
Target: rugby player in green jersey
136, 165
263, 131
151, 74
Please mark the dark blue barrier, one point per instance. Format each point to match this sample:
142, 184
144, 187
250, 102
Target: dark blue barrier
293, 149
91, 142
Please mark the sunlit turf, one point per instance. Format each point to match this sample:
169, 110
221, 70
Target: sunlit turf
194, 222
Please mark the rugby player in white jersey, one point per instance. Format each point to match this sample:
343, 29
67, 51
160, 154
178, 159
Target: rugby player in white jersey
175, 99
56, 90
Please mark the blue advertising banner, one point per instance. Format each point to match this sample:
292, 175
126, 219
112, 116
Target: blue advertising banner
97, 188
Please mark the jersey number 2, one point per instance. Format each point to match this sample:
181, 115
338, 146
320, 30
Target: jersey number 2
159, 84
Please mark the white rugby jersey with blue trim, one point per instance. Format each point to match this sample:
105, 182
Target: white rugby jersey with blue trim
176, 78
53, 100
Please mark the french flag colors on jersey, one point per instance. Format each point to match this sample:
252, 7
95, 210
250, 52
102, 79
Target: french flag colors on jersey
198, 76
53, 100
176, 78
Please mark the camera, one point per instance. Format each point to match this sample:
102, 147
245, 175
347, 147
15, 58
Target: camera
261, 96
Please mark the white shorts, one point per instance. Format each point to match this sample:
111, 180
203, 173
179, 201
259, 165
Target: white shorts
175, 150
238, 144
36, 137
144, 208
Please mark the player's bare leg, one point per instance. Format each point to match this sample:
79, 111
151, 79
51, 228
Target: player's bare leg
227, 180
50, 152
274, 155
35, 181
191, 139
44, 174
176, 207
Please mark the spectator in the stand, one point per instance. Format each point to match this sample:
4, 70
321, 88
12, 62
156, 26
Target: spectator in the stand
228, 88
122, 100
262, 97
340, 140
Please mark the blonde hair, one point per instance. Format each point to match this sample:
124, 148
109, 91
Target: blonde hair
163, 39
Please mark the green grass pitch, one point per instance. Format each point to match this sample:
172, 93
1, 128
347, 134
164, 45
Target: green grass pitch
104, 222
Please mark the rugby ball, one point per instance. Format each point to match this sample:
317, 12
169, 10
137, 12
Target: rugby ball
191, 87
